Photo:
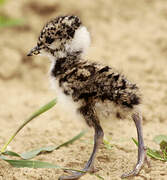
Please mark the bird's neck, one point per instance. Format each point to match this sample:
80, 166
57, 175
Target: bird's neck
61, 64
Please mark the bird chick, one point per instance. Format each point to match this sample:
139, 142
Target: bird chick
65, 40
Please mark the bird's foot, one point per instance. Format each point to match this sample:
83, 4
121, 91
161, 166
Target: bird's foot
76, 175
134, 172
138, 166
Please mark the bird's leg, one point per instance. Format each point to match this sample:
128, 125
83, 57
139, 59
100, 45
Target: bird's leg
137, 118
98, 138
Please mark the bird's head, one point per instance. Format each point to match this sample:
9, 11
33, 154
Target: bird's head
61, 36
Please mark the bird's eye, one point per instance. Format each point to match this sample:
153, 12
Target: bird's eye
49, 40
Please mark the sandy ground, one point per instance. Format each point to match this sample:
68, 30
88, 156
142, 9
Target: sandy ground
126, 34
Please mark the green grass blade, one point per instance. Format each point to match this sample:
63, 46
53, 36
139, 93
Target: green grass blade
107, 144
152, 153
34, 115
134, 140
30, 164
6, 22
2, 2
38, 164
72, 140
34, 164
11, 153
35, 152
99, 176
163, 147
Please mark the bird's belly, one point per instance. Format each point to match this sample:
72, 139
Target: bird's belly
108, 109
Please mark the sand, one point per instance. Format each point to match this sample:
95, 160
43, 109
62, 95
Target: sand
128, 35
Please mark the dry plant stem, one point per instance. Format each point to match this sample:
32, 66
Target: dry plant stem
137, 118
34, 115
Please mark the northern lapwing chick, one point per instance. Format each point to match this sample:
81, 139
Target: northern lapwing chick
64, 40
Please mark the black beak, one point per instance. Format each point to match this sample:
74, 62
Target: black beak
29, 54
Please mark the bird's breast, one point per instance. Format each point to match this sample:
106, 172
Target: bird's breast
65, 102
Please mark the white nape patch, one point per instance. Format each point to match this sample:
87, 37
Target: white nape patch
66, 103
80, 42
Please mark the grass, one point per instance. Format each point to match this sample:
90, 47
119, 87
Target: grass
31, 154
160, 154
7, 21
2, 2
34, 115
24, 161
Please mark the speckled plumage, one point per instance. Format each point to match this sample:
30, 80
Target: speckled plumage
82, 80
64, 40
85, 80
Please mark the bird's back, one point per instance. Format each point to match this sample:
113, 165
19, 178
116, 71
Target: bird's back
83, 79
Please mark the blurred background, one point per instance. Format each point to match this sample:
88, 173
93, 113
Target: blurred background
126, 34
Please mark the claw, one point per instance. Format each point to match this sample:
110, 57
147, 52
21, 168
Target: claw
74, 176
132, 173
77, 175
69, 171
